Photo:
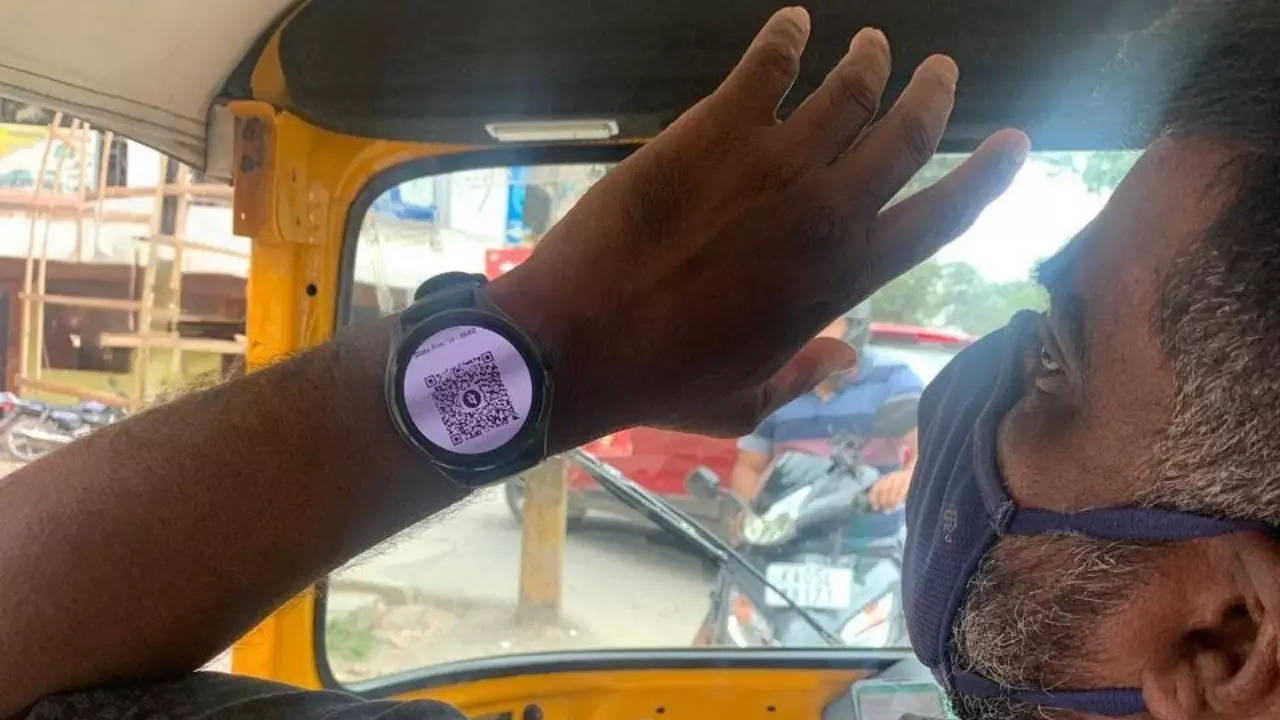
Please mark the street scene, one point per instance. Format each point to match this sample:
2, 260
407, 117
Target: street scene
448, 590
134, 294
505, 360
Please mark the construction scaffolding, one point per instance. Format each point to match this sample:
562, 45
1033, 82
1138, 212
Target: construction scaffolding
151, 325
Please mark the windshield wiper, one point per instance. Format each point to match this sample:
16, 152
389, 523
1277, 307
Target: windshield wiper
678, 523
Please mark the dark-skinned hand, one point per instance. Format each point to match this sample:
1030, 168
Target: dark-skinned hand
685, 288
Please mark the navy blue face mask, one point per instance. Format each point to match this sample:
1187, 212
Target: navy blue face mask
958, 507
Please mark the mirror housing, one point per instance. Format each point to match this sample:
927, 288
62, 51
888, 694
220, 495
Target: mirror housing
703, 483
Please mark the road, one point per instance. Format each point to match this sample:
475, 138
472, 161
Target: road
447, 590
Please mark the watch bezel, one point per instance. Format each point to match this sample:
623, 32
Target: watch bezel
518, 446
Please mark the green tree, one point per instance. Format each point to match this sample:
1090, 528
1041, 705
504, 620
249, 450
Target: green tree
955, 296
1103, 170
913, 298
932, 172
980, 307
1100, 170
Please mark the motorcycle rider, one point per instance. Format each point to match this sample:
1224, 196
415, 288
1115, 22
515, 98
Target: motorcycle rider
842, 405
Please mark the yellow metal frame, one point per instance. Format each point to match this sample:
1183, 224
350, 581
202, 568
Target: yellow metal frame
294, 186
661, 694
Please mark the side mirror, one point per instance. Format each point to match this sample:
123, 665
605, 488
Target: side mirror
896, 417
703, 483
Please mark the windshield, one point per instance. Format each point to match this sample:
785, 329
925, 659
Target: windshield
551, 560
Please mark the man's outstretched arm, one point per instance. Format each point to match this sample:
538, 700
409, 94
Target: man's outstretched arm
153, 542
150, 545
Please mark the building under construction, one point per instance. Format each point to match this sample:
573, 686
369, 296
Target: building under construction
120, 279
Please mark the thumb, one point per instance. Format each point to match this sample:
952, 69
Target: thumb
818, 360
912, 230
742, 411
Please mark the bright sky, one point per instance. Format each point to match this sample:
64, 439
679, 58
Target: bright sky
1037, 215
1043, 208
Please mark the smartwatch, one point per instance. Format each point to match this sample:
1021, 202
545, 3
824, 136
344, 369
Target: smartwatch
465, 386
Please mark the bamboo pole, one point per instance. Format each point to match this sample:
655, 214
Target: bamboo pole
24, 342
175, 271
196, 246
124, 216
97, 303
42, 270
101, 192
170, 340
201, 190
543, 518
73, 390
82, 190
142, 357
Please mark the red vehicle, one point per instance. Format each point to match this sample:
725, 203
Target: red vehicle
660, 460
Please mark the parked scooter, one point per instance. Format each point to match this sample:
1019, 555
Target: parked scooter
812, 533
32, 429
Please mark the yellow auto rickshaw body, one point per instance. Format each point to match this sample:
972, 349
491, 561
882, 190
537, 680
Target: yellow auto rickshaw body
330, 98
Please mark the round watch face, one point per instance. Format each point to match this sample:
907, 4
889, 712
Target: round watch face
467, 389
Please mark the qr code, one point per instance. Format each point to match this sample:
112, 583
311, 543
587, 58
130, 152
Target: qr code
471, 399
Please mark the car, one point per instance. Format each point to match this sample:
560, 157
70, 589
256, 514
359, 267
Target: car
660, 460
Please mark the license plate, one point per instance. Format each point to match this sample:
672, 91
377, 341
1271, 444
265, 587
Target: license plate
811, 586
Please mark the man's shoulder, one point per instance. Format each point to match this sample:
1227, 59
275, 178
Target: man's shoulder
218, 696
882, 368
802, 406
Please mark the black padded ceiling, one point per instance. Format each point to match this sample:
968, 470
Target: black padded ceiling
438, 70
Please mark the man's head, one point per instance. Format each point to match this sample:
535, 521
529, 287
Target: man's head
1158, 384
853, 327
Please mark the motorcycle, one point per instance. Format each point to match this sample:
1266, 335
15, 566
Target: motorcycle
813, 534
32, 429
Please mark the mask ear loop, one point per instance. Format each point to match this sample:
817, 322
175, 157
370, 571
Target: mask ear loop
1111, 702
1128, 523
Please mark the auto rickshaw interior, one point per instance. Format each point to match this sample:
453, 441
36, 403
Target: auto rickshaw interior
377, 144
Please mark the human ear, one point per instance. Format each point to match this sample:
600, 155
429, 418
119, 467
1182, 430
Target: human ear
1223, 658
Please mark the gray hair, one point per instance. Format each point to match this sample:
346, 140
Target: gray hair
1034, 601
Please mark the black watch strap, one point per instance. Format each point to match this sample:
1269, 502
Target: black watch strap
446, 291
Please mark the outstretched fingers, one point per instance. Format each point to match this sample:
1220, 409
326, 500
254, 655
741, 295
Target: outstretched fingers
764, 75
830, 119
740, 412
912, 230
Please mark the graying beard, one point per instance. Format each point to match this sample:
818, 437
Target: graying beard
971, 708
1023, 623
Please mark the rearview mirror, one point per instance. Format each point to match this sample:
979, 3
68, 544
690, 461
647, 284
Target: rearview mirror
895, 418
703, 483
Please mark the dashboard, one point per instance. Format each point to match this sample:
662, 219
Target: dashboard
769, 684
